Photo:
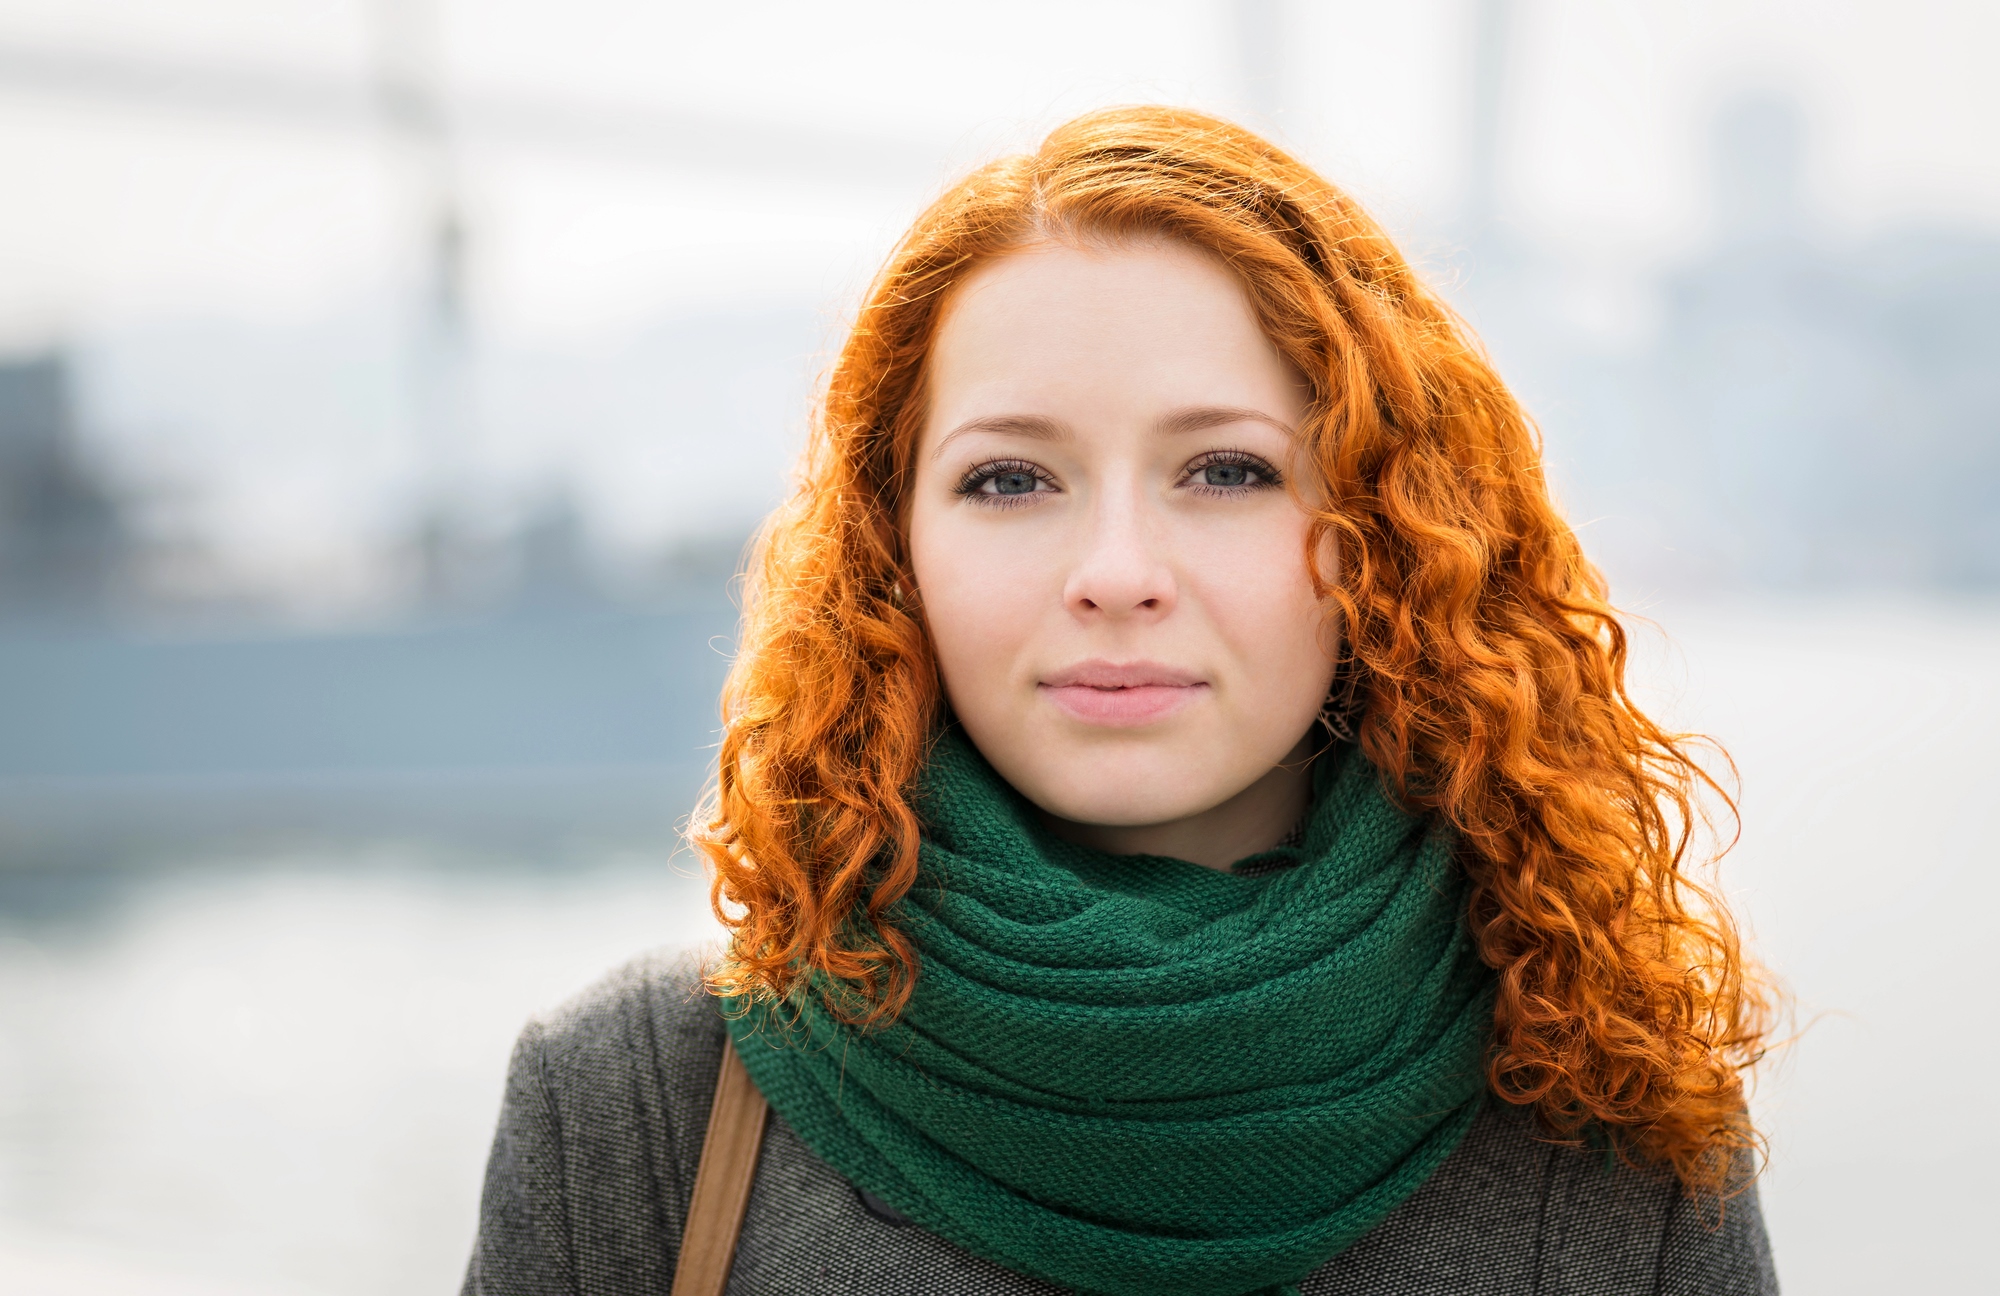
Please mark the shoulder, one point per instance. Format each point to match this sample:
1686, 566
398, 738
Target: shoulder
651, 1013
1510, 1211
600, 1133
628, 1066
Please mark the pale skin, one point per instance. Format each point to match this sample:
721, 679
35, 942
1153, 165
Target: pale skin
1108, 525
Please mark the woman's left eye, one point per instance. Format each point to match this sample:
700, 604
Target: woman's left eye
1232, 472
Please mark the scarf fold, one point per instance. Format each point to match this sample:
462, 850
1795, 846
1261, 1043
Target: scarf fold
1134, 1076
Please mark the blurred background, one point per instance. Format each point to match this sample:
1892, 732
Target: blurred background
388, 389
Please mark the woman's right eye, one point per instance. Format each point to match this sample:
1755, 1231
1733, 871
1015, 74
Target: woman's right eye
1005, 482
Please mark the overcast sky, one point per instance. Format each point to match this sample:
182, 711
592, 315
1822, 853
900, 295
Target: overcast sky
124, 207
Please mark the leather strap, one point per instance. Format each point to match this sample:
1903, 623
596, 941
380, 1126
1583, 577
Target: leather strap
722, 1183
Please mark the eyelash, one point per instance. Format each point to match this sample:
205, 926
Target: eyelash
976, 478
1267, 476
972, 483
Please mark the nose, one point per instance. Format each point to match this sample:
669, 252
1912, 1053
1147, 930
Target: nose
1122, 572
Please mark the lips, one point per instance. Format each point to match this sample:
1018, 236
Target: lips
1122, 693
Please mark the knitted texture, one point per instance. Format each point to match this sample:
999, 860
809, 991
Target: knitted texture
606, 1108
1133, 1076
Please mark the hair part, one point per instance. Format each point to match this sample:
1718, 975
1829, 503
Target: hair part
1490, 664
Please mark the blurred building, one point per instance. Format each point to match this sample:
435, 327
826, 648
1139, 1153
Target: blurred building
63, 542
1806, 411
1841, 403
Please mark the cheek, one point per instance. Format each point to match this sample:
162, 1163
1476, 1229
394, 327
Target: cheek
1262, 605
980, 600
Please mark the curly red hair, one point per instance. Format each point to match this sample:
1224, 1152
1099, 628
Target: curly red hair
1479, 636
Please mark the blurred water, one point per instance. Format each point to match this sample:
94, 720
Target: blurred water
278, 1074
1865, 732
281, 1076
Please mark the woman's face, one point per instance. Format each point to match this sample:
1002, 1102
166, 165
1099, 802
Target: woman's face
1111, 565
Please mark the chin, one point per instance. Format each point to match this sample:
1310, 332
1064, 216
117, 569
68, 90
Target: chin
1120, 795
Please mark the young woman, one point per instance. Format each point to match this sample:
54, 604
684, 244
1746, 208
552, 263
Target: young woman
1180, 820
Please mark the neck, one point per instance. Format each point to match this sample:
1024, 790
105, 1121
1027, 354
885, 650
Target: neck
1255, 819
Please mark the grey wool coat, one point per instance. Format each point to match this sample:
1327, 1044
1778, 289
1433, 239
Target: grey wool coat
607, 1102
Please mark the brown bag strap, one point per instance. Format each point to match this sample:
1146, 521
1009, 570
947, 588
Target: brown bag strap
722, 1183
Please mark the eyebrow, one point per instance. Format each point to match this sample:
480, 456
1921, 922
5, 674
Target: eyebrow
1193, 418
1033, 426
1197, 418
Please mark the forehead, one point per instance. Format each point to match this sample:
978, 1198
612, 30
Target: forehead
1128, 329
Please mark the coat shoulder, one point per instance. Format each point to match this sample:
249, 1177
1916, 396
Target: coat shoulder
1512, 1211
660, 990
600, 1135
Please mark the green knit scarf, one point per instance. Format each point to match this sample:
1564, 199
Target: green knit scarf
1134, 1076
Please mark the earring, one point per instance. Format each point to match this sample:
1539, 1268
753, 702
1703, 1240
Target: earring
1341, 712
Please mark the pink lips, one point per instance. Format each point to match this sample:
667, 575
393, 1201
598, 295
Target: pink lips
1132, 693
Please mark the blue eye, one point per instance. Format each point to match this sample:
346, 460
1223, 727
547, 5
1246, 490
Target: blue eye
1230, 472
1008, 481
